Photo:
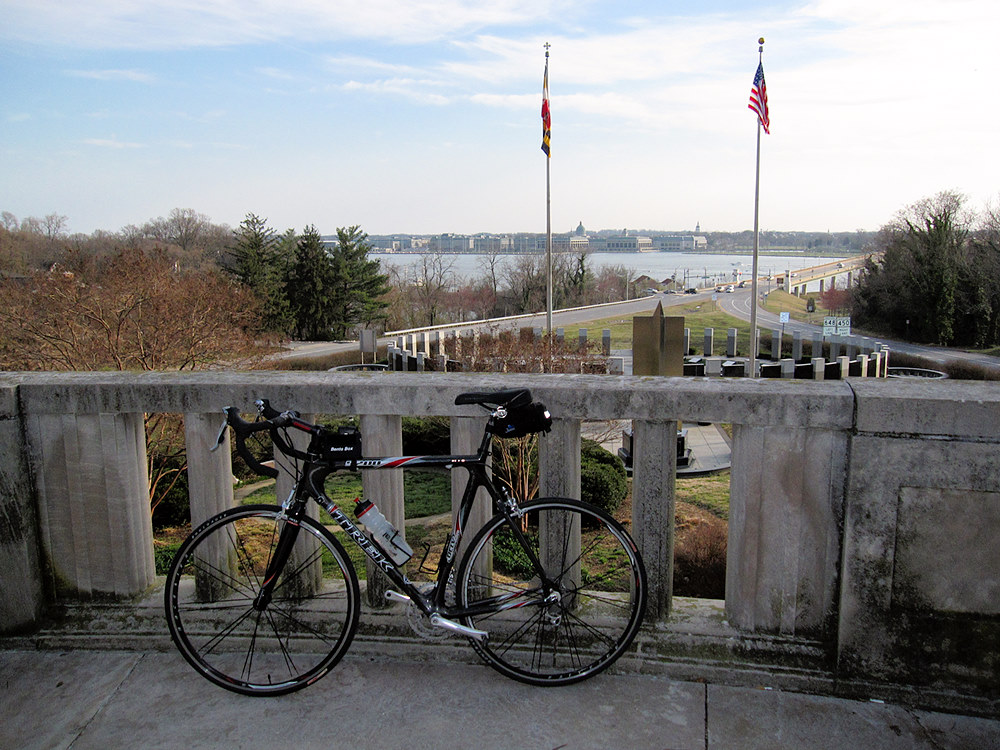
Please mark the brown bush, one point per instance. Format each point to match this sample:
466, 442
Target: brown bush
700, 557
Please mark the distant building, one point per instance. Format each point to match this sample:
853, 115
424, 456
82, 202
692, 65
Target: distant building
681, 243
628, 243
570, 244
489, 244
450, 243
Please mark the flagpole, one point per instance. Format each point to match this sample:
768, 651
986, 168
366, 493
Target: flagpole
756, 243
548, 222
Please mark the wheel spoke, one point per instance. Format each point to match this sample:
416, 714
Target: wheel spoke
587, 611
212, 610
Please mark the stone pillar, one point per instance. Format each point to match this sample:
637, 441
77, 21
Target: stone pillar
654, 462
466, 433
788, 368
817, 345
784, 546
819, 368
606, 342
775, 345
731, 342
687, 342
844, 365
709, 342
93, 502
210, 473
560, 336
582, 338
382, 435
559, 476
797, 346
21, 596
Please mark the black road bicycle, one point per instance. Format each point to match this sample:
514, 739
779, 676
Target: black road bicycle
263, 600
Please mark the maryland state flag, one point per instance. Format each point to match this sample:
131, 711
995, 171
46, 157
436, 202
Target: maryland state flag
546, 116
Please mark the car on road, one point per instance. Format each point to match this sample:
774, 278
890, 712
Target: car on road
692, 290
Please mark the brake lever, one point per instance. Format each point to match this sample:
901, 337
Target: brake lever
221, 437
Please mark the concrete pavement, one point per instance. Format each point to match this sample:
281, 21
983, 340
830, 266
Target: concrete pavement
84, 699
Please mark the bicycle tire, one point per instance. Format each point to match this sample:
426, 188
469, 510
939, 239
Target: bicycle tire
597, 596
292, 642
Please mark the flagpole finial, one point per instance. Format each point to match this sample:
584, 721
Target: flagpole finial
547, 45
760, 49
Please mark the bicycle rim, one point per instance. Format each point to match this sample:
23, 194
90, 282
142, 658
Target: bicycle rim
580, 618
292, 642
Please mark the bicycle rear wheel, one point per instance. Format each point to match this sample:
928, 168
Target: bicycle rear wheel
574, 621
289, 643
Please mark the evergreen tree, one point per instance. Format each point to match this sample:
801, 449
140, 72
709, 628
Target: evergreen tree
358, 284
257, 262
311, 288
926, 280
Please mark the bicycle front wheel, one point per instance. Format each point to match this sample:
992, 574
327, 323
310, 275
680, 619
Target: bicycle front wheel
568, 621
241, 643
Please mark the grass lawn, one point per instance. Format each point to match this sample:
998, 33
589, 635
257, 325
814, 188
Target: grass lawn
706, 314
709, 492
425, 493
697, 316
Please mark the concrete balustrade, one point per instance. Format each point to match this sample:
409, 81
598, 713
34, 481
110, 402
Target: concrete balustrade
863, 512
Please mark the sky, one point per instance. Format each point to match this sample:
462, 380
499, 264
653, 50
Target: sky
423, 116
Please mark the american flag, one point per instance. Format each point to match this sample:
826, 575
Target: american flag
546, 116
758, 99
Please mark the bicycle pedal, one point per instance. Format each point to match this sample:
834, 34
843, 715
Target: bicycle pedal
395, 596
441, 622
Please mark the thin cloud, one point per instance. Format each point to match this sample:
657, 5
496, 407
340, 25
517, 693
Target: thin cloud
112, 143
137, 76
408, 88
183, 24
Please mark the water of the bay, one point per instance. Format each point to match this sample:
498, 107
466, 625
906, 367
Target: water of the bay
698, 269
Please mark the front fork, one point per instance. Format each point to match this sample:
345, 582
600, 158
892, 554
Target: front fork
282, 551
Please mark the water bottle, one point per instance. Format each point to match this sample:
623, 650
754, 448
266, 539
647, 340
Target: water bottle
385, 536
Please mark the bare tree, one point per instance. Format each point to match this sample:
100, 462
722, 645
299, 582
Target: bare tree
54, 225
435, 279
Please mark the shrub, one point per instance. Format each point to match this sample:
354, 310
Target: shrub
173, 507
700, 561
603, 481
426, 435
509, 557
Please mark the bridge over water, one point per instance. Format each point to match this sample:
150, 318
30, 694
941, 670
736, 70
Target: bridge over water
801, 278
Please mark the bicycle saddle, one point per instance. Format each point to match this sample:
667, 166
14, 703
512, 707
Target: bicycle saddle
510, 398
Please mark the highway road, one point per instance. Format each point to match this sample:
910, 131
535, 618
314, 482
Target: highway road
737, 304
560, 319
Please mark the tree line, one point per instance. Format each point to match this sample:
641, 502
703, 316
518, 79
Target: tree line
936, 276
306, 287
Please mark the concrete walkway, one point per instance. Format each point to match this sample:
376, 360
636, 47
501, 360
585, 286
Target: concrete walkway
146, 699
